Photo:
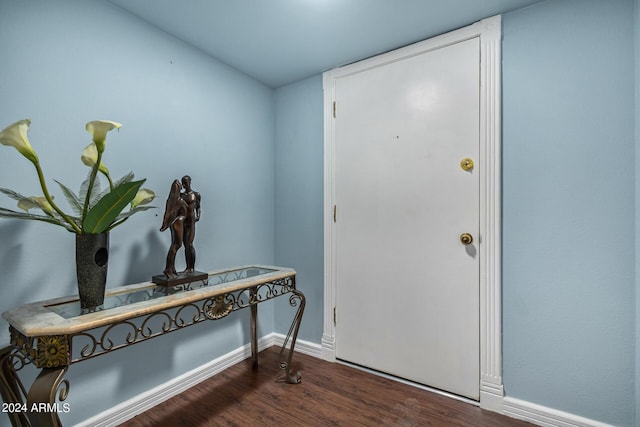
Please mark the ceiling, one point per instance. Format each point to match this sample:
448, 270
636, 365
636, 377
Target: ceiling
282, 41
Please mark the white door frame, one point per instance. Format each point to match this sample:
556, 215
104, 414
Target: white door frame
490, 33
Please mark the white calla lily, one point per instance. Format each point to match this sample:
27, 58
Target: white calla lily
90, 156
98, 130
143, 197
26, 204
39, 202
15, 135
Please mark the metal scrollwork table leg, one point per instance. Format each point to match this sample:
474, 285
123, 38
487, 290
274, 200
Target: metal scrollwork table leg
254, 336
40, 408
11, 388
296, 299
42, 396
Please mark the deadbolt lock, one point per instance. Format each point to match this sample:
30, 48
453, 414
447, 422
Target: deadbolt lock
466, 239
466, 164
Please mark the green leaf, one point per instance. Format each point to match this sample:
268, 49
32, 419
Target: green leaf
14, 195
20, 199
8, 213
137, 209
96, 193
127, 178
125, 215
74, 201
107, 209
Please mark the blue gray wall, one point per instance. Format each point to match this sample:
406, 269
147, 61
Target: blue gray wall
68, 62
568, 207
637, 162
299, 199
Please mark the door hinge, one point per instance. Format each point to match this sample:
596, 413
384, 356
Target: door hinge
335, 211
334, 109
334, 315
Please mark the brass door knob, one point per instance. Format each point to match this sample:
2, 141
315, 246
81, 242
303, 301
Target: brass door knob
466, 164
466, 239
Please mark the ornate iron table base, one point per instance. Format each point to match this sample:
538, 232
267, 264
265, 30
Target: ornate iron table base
40, 405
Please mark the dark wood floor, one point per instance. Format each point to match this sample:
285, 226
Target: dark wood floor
330, 394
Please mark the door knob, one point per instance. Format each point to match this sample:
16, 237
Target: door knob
466, 164
466, 239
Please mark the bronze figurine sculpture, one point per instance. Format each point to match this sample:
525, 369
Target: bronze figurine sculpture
181, 213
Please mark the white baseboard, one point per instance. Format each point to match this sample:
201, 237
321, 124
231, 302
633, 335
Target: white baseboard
126, 410
491, 395
515, 408
544, 416
304, 347
328, 348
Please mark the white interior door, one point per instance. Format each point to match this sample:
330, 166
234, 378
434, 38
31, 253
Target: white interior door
407, 293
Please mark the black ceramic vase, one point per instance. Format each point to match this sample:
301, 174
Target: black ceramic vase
92, 256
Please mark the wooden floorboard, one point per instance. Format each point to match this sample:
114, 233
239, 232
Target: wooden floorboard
330, 394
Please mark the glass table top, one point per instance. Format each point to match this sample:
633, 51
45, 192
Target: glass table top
72, 309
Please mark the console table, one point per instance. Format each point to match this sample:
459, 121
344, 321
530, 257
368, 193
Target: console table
55, 334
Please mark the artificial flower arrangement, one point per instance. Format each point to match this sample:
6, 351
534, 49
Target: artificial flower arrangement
94, 210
